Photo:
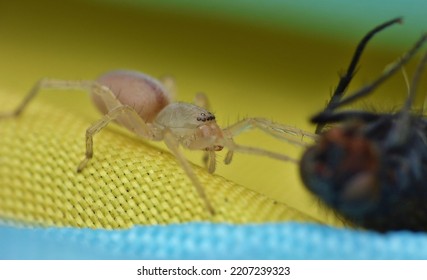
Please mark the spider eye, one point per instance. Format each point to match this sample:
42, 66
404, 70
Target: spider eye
205, 117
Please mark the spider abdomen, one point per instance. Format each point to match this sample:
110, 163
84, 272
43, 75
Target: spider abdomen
135, 89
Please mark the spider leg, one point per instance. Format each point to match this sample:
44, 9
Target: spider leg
131, 120
202, 100
112, 115
169, 83
209, 157
47, 84
209, 160
280, 131
173, 145
233, 147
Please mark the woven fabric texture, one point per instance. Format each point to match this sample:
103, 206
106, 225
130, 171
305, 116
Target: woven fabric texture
211, 241
128, 182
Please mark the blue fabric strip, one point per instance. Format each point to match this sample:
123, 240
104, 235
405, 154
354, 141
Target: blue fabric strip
210, 241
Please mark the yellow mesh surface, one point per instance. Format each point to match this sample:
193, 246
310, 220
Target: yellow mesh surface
128, 182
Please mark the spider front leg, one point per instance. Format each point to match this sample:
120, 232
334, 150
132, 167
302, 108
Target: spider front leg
173, 145
209, 157
280, 131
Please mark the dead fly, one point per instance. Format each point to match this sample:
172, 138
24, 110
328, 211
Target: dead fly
371, 167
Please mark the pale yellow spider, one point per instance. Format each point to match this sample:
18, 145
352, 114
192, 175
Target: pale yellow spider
143, 105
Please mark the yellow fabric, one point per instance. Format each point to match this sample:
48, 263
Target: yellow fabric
245, 71
128, 182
